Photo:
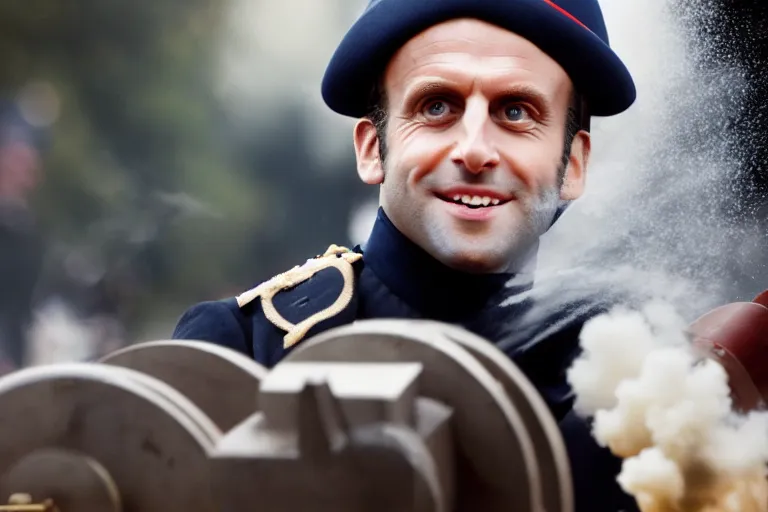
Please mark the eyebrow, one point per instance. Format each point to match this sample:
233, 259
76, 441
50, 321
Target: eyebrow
428, 86
436, 85
527, 93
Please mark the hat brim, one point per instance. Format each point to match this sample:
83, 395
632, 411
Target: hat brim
597, 72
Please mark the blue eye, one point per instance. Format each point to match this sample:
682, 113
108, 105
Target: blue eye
514, 113
437, 108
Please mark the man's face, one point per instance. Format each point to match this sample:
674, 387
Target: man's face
475, 139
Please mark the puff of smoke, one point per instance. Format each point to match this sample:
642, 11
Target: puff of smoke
662, 196
668, 413
574, 294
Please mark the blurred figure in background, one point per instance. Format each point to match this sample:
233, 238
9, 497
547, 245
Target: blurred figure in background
21, 247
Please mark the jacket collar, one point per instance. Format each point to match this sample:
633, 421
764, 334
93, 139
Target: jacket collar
427, 285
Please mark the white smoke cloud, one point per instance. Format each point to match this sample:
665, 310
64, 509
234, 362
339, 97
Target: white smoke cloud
658, 219
669, 414
658, 223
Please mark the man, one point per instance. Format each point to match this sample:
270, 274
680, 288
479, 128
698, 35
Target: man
473, 121
21, 249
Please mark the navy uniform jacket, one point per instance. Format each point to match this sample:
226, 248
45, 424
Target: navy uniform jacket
397, 279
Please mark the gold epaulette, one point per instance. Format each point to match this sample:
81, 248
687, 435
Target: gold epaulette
338, 257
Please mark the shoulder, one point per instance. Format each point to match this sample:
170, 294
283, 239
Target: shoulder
543, 334
221, 322
556, 308
268, 320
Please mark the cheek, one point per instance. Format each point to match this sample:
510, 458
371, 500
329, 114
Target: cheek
420, 151
535, 163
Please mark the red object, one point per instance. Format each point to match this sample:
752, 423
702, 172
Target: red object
762, 298
566, 13
736, 335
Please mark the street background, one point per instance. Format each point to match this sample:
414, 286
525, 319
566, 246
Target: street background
156, 154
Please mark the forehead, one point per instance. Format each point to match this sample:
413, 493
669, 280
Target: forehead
470, 49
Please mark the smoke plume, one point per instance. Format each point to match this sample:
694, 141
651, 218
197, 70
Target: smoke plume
668, 413
664, 213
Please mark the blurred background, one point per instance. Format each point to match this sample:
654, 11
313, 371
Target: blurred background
155, 154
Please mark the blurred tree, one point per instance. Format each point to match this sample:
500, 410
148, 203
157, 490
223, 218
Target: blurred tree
143, 204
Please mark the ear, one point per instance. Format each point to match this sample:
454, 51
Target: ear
369, 166
576, 171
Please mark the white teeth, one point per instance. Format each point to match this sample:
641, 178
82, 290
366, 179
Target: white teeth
476, 200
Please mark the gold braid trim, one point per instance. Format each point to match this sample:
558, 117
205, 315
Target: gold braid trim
337, 257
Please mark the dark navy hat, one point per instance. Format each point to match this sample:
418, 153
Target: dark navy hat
572, 32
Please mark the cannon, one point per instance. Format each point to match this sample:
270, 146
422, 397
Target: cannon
379, 415
736, 336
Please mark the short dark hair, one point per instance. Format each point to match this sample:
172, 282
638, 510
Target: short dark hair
578, 118
378, 114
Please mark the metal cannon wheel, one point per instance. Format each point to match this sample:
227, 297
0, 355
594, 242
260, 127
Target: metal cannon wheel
100, 438
548, 443
223, 383
497, 466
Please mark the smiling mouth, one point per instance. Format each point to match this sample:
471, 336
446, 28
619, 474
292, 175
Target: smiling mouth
472, 201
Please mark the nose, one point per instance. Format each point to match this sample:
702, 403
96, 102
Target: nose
474, 149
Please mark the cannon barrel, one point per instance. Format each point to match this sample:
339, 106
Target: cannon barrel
378, 415
736, 336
